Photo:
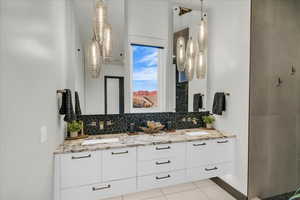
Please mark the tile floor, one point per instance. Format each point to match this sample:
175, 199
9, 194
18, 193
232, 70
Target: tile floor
200, 190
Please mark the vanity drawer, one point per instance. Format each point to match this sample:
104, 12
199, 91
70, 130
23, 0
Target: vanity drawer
161, 151
161, 165
80, 169
161, 180
209, 171
100, 191
209, 151
119, 164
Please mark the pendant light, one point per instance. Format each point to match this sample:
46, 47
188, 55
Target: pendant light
107, 43
190, 49
201, 63
189, 59
189, 68
94, 60
180, 52
201, 58
100, 20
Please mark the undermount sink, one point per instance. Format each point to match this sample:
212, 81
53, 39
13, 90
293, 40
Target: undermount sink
100, 141
198, 133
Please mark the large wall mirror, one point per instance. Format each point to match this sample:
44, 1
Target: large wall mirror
143, 57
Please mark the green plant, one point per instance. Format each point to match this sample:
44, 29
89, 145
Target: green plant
208, 119
296, 195
74, 126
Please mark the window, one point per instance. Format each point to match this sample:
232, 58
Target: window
145, 83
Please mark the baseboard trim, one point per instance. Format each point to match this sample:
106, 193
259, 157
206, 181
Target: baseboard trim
228, 188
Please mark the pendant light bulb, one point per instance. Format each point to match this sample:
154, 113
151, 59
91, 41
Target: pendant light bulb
107, 44
189, 68
100, 20
190, 49
93, 58
201, 64
180, 54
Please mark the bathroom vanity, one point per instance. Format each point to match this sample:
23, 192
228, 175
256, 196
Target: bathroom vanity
139, 162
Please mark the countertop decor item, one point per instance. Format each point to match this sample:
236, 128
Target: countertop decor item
152, 127
208, 120
74, 128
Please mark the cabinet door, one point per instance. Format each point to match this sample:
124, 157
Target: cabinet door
100, 191
223, 150
199, 153
80, 169
119, 164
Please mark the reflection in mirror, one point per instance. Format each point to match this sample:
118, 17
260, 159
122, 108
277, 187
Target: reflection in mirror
143, 37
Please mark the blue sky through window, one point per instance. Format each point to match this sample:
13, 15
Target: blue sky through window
145, 65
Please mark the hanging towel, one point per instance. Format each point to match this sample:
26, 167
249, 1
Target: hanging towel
198, 102
77, 105
219, 104
67, 106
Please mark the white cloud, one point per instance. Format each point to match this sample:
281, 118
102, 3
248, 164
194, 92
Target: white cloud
146, 74
150, 60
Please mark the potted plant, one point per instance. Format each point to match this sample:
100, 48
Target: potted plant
296, 195
73, 128
208, 120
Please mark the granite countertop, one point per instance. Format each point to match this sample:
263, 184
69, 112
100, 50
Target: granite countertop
140, 139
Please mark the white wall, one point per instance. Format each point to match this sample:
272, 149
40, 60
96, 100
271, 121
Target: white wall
34, 63
95, 88
228, 71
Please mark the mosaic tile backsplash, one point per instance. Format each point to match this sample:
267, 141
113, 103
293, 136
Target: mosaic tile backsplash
109, 124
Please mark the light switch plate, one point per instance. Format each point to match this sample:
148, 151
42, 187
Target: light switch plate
44, 134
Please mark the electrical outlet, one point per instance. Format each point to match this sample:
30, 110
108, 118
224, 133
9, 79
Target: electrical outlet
44, 134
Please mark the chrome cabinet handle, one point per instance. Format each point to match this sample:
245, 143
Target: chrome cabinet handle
163, 148
197, 145
118, 153
162, 163
164, 177
222, 142
212, 169
80, 157
102, 188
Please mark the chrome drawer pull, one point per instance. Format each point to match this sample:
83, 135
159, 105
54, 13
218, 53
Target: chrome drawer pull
88, 156
162, 163
101, 188
164, 177
118, 153
212, 169
197, 145
222, 142
163, 148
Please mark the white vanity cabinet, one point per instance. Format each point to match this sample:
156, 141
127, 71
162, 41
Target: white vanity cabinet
119, 164
106, 173
79, 169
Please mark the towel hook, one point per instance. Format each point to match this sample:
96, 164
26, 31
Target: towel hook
60, 91
279, 82
293, 70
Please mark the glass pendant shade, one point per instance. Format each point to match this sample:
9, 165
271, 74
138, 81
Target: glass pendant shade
107, 44
189, 68
190, 49
100, 20
94, 59
180, 53
202, 34
201, 64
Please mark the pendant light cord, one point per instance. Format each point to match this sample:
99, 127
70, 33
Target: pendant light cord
202, 15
